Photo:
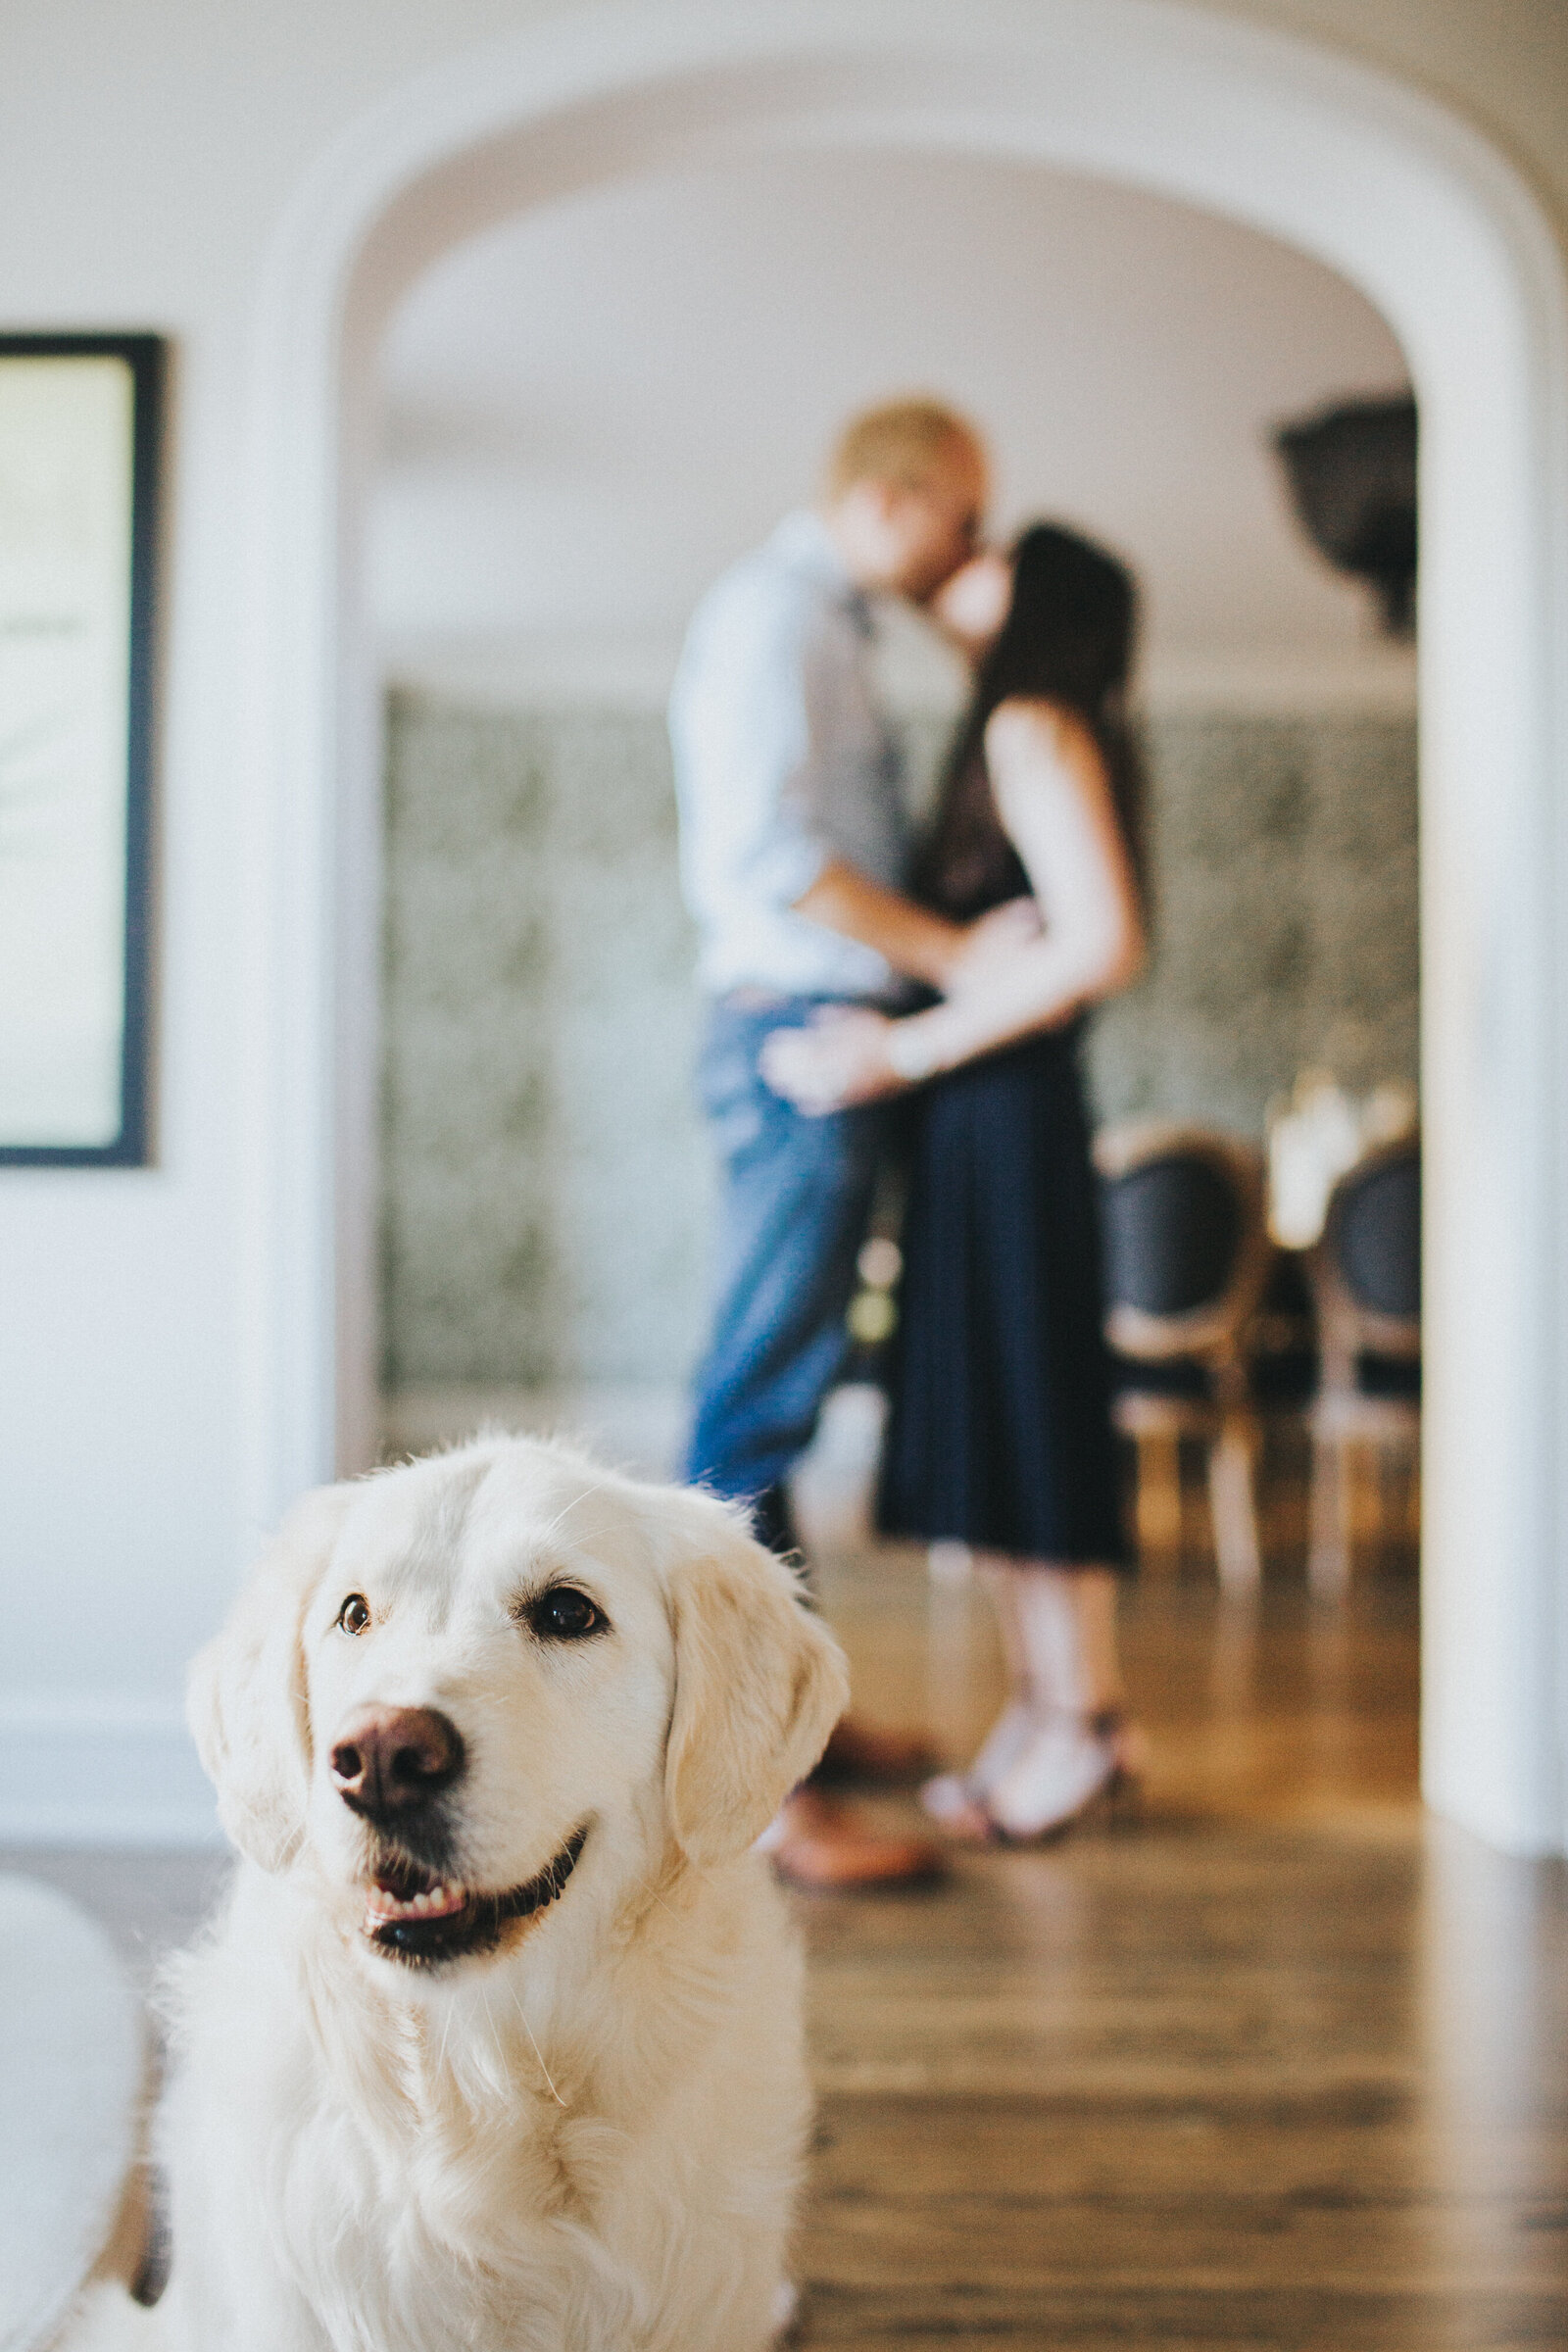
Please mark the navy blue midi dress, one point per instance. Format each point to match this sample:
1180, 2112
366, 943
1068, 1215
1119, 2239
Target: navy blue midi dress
1000, 1432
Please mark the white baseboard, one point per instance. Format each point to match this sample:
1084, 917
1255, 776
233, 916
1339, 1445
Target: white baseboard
537, 674
638, 1427
101, 1773
641, 1428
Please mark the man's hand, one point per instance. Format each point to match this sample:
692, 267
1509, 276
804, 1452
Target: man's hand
990, 941
839, 1059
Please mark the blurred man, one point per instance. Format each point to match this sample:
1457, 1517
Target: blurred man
794, 845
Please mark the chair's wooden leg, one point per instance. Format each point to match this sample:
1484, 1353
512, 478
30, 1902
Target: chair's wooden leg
1384, 1467
1233, 1504
1328, 1568
1158, 1453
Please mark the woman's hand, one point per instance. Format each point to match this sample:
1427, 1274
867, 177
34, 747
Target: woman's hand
989, 944
841, 1059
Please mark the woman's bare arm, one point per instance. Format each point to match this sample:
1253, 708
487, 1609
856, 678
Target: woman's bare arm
1053, 796
1054, 800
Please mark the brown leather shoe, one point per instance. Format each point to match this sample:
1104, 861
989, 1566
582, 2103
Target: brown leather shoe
821, 1846
861, 1751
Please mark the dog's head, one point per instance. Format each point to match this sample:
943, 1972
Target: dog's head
446, 1684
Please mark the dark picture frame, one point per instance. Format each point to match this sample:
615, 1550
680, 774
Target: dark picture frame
96, 801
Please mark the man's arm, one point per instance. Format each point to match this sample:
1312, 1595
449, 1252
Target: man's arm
752, 710
910, 938
949, 957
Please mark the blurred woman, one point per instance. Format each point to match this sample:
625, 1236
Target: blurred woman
1000, 1432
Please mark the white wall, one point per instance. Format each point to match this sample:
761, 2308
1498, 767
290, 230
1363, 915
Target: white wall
146, 153
149, 150
590, 410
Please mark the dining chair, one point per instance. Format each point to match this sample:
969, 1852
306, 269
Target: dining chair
1186, 1254
1366, 1278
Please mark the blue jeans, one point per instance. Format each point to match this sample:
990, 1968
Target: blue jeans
797, 1195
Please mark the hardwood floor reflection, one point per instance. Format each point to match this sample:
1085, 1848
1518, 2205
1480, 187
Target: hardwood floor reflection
1280, 2063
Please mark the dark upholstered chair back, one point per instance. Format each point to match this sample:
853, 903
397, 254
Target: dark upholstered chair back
1173, 1229
1366, 1273
1366, 1269
1186, 1253
1375, 1233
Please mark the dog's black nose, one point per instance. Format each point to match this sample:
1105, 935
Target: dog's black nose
391, 1761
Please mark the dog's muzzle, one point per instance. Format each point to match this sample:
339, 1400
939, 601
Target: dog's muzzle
412, 1916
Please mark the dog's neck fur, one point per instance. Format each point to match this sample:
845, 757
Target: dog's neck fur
526, 2024
512, 2136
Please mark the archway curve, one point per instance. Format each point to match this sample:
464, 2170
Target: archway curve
1366, 174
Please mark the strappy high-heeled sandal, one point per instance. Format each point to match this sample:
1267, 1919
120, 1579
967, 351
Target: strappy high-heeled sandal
953, 1794
1098, 1767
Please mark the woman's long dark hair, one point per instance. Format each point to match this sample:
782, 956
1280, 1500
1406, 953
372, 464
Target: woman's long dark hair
1067, 638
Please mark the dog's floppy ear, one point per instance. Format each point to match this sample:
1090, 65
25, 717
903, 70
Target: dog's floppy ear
760, 1683
245, 1697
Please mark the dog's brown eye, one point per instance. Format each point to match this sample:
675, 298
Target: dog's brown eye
563, 1614
355, 1615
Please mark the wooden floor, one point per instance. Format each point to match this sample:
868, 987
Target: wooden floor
1280, 2064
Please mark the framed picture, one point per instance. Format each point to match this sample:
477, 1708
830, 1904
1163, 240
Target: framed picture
80, 431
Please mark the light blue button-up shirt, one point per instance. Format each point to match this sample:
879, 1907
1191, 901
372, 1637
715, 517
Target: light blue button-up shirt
783, 760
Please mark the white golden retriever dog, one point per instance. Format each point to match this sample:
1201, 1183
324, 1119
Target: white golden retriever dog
497, 2045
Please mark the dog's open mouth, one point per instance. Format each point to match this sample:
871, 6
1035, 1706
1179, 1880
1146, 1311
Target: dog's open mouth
413, 1916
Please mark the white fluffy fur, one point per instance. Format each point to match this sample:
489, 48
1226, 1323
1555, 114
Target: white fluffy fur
590, 2141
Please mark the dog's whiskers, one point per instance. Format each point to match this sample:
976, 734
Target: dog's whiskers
564, 1512
537, 2051
607, 1527
496, 2043
583, 1538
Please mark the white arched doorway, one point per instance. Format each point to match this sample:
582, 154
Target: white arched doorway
1386, 188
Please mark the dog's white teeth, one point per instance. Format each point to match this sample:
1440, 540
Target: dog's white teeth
435, 1902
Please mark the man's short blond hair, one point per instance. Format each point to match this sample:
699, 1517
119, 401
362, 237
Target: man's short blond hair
906, 442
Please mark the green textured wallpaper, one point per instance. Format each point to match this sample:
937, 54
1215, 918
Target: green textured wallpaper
545, 1185
1284, 858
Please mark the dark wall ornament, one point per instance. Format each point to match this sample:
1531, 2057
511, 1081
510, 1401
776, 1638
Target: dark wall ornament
80, 440
1351, 472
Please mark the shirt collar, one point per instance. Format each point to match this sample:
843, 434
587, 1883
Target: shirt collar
807, 543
